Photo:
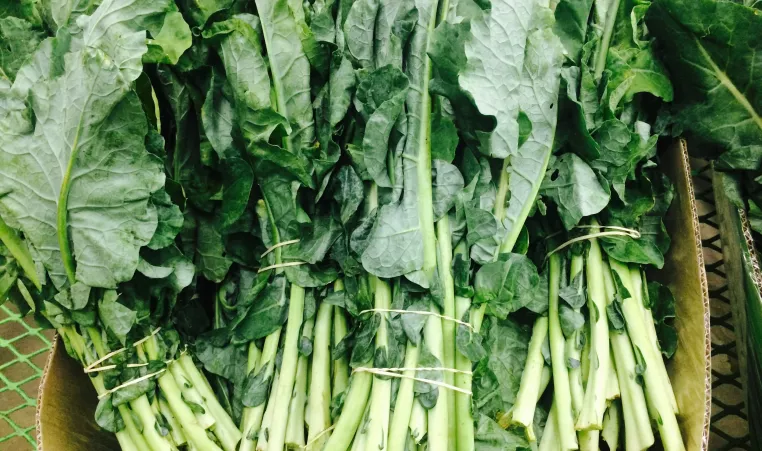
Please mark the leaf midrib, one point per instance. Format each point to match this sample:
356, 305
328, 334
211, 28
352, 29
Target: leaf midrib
62, 216
723, 78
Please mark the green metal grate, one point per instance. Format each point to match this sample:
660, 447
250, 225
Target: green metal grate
23, 351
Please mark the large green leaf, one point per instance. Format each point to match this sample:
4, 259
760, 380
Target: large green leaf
712, 48
82, 197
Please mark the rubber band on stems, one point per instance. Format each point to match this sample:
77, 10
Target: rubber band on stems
387, 373
129, 365
420, 312
89, 368
617, 231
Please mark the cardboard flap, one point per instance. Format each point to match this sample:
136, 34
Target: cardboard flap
66, 408
685, 275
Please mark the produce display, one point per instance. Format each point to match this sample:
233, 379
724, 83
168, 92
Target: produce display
350, 224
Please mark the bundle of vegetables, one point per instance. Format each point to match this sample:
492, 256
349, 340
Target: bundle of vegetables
88, 226
355, 216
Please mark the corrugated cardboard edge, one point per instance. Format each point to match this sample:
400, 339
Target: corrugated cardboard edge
693, 390
684, 264
74, 420
744, 282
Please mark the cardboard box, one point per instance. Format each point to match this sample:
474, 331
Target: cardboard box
67, 400
744, 283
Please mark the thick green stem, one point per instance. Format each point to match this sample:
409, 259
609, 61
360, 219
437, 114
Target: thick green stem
612, 390
611, 426
296, 411
191, 394
352, 413
529, 390
267, 419
444, 262
638, 286
177, 431
551, 441
657, 394
573, 348
358, 443
225, 429
142, 409
562, 394
418, 422
340, 365
381, 393
589, 440
277, 432
438, 421
196, 435
319, 417
594, 404
462, 413
252, 416
603, 48
404, 406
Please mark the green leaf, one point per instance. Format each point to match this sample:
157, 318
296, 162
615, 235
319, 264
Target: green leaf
447, 183
170, 220
168, 45
79, 180
107, 416
396, 243
117, 318
211, 259
18, 40
347, 192
291, 71
506, 285
711, 47
649, 249
575, 189
256, 389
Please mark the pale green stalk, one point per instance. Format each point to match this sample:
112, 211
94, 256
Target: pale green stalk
381, 392
296, 410
562, 395
637, 430
594, 403
657, 393
551, 441
340, 365
573, 351
611, 426
319, 416
637, 288
196, 435
444, 262
437, 418
418, 422
267, 419
462, 412
177, 432
277, 432
190, 394
531, 379
401, 418
225, 429
252, 416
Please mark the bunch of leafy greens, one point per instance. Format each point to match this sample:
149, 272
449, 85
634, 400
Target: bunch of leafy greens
343, 211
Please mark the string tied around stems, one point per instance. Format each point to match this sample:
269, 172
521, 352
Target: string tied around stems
607, 231
391, 372
420, 312
89, 368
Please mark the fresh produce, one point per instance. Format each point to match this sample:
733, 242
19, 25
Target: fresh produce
344, 225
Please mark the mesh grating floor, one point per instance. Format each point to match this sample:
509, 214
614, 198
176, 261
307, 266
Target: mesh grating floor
729, 430
23, 351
